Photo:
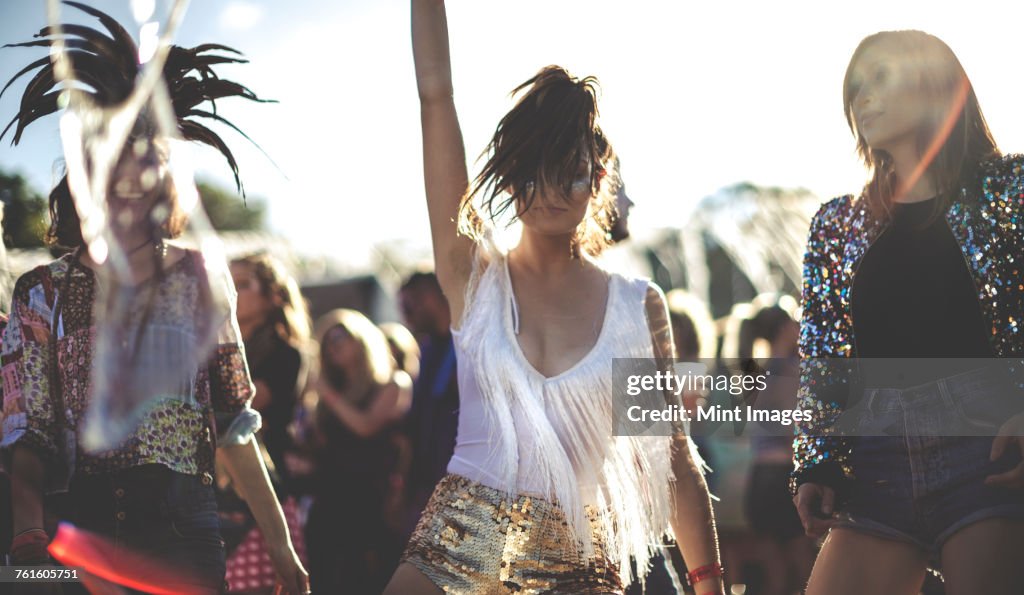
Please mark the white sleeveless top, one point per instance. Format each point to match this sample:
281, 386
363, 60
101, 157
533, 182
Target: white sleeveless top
552, 437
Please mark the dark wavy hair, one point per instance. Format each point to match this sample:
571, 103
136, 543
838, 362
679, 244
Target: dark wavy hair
954, 142
540, 143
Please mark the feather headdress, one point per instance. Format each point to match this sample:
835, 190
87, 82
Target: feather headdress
107, 64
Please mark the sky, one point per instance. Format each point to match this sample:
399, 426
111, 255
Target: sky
696, 96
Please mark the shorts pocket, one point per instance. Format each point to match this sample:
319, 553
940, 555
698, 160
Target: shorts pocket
203, 526
982, 408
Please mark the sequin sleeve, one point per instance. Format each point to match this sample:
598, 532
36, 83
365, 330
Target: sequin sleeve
819, 455
996, 249
28, 418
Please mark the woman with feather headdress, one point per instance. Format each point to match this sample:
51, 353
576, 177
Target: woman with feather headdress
152, 491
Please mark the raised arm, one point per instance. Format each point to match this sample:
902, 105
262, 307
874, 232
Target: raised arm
444, 157
390, 404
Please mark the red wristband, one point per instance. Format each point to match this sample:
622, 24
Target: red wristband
704, 572
29, 547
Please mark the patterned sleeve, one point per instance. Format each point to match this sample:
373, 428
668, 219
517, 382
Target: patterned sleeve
231, 387
819, 455
3, 329
28, 416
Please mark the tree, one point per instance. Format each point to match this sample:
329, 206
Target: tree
26, 214
227, 212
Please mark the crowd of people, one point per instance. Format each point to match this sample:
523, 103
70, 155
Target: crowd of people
470, 448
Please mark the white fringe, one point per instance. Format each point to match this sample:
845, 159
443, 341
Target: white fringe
634, 473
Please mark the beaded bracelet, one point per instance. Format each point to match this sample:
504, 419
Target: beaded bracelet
704, 572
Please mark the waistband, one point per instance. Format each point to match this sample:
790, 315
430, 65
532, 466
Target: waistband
148, 489
922, 373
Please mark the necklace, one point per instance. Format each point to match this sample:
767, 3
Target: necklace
158, 246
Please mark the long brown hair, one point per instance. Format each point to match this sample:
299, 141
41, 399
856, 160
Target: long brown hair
956, 138
540, 144
289, 316
377, 365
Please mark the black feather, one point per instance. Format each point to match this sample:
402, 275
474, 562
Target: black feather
108, 66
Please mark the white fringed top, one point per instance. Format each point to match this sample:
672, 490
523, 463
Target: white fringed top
552, 437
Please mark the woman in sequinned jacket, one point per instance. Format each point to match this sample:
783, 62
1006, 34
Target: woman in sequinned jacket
926, 263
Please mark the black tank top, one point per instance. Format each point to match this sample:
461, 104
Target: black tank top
913, 297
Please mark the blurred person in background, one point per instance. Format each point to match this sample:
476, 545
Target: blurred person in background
362, 400
404, 348
693, 333
785, 553
406, 352
622, 255
433, 420
274, 322
620, 221
692, 327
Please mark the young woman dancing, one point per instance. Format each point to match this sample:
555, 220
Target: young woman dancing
540, 496
153, 492
926, 263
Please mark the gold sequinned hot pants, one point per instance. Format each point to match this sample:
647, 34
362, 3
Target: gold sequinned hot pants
471, 540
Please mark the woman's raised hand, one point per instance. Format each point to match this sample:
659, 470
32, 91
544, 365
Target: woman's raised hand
445, 175
430, 50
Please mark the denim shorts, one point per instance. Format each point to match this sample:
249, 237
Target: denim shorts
924, 485
165, 515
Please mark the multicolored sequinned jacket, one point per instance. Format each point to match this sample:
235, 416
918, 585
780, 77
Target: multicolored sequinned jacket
988, 223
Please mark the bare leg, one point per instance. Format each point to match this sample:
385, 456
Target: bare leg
985, 557
853, 563
408, 580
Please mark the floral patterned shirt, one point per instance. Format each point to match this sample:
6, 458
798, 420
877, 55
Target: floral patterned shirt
174, 432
